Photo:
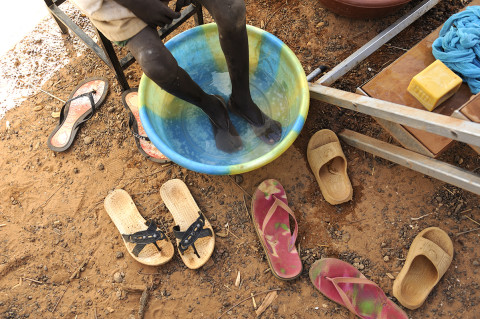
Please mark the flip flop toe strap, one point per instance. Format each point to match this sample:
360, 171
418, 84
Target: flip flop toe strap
194, 232
145, 237
132, 124
278, 203
351, 280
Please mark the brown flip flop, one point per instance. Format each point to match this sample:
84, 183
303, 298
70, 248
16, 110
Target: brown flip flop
428, 259
194, 234
145, 147
329, 166
146, 244
80, 107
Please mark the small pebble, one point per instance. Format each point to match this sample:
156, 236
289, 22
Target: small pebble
100, 167
386, 258
76, 170
117, 277
476, 263
119, 254
239, 179
439, 199
88, 140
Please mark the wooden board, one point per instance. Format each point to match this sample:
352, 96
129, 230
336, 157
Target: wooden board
471, 109
392, 82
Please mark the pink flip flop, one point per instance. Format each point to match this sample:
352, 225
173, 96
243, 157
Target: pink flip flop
145, 147
347, 286
271, 214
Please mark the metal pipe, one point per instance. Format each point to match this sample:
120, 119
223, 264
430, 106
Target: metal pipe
420, 163
316, 72
374, 44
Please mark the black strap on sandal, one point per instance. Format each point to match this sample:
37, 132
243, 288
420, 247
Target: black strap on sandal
92, 105
145, 237
133, 125
194, 232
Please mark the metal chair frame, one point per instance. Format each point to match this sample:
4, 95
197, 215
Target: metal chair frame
104, 50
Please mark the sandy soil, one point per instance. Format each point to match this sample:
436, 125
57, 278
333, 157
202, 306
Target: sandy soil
62, 257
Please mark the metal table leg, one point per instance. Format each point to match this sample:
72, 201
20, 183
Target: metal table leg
374, 44
423, 164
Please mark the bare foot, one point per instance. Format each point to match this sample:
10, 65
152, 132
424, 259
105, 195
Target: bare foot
227, 138
267, 129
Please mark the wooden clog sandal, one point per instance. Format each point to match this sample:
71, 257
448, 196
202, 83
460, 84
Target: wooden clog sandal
428, 259
193, 232
146, 244
329, 166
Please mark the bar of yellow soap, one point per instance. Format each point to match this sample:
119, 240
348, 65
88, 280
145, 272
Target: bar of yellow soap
434, 85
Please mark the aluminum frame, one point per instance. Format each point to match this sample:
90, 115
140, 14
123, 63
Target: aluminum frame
454, 128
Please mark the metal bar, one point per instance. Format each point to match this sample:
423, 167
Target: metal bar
460, 130
374, 44
316, 72
169, 28
80, 33
186, 13
425, 165
199, 16
113, 59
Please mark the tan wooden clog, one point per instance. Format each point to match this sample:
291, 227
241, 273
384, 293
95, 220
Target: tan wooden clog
194, 234
146, 244
428, 259
329, 166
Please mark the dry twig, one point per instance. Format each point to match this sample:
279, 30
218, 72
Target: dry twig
243, 300
468, 231
59, 299
29, 279
143, 303
243, 189
76, 274
266, 303
49, 198
418, 218
473, 220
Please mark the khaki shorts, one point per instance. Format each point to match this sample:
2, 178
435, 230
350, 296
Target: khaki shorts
120, 31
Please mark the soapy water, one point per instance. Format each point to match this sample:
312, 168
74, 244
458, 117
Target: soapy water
187, 129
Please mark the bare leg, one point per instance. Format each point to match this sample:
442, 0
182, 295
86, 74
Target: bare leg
230, 18
160, 66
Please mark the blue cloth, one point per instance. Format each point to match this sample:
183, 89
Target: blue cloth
458, 46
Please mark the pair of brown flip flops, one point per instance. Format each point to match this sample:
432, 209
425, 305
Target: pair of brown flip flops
329, 165
148, 244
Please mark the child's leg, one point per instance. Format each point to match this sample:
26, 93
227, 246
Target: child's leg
162, 68
230, 18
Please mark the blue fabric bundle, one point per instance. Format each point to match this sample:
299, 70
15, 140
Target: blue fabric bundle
459, 46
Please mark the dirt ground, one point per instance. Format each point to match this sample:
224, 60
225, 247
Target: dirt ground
53, 225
